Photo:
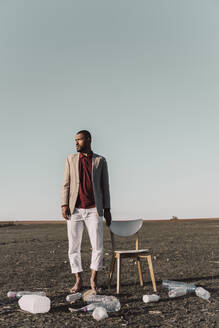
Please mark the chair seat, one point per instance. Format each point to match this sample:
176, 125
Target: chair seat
133, 251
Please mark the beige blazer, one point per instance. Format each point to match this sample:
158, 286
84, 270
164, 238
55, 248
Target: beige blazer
100, 180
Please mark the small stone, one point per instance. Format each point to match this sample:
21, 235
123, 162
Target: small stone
155, 312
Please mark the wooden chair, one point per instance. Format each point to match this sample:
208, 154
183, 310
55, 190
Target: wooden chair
125, 229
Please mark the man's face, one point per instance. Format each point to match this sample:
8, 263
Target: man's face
81, 143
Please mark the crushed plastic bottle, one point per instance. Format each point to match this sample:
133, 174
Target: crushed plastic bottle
110, 303
177, 292
202, 293
151, 298
35, 303
100, 313
73, 297
87, 308
171, 284
87, 293
19, 294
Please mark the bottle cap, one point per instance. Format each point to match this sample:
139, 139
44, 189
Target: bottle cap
11, 294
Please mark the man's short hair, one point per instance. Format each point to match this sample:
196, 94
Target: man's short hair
86, 134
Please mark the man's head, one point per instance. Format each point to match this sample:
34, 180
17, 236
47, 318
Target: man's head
83, 141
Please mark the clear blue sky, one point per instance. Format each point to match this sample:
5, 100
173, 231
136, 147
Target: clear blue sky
142, 76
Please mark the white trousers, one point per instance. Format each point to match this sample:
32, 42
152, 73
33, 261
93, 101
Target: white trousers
75, 228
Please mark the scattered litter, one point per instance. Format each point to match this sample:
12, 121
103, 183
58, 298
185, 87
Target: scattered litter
179, 288
12, 294
87, 308
73, 297
177, 292
110, 303
202, 293
151, 298
87, 293
171, 284
35, 303
100, 313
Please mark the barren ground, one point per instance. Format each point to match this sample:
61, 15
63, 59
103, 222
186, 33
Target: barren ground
34, 257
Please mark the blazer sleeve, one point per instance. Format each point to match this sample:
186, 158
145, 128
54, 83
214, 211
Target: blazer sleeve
105, 185
66, 184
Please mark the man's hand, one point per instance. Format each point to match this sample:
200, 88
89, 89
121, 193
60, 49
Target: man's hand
66, 212
107, 216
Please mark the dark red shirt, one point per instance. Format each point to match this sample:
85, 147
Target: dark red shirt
86, 194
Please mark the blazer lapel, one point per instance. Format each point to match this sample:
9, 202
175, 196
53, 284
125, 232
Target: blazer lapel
95, 163
75, 167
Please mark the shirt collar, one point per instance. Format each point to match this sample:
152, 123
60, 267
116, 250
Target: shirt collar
89, 155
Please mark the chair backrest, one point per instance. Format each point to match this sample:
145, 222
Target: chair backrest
126, 228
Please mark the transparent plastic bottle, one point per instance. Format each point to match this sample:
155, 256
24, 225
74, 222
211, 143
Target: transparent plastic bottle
99, 313
202, 293
177, 292
19, 294
171, 284
87, 308
35, 303
73, 297
151, 298
110, 305
92, 298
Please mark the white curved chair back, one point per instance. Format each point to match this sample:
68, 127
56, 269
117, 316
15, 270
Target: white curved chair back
126, 228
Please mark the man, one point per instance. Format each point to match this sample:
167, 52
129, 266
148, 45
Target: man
85, 200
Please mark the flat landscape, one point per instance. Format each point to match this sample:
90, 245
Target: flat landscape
34, 257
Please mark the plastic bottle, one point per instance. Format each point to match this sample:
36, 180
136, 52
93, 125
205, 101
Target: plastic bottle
87, 308
177, 292
202, 293
19, 294
110, 305
92, 298
73, 297
150, 298
171, 284
100, 313
35, 303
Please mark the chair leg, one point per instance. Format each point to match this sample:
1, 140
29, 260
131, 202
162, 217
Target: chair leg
118, 274
111, 270
140, 272
151, 272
